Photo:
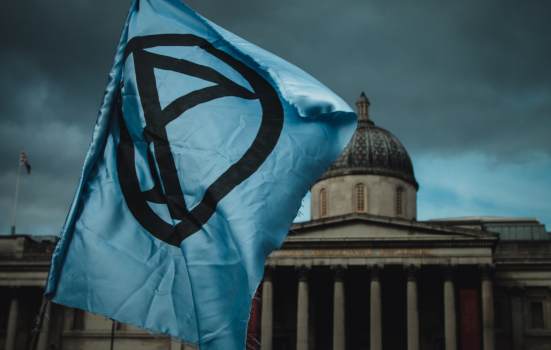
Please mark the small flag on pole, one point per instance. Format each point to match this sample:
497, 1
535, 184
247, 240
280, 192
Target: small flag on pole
204, 147
25, 162
22, 161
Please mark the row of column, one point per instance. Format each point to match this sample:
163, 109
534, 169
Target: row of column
376, 334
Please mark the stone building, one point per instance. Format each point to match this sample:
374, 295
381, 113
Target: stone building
363, 273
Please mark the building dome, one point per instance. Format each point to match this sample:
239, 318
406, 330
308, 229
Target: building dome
372, 151
373, 175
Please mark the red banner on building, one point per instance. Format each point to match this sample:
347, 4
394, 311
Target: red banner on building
252, 327
470, 328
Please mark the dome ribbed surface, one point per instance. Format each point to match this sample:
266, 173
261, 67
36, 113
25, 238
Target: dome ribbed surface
373, 151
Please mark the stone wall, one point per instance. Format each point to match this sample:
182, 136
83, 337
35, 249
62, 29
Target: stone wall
381, 196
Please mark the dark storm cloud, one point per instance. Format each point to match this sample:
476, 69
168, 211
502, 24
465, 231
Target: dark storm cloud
445, 77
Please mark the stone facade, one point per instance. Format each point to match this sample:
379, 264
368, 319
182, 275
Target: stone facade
24, 265
358, 281
380, 196
379, 279
401, 286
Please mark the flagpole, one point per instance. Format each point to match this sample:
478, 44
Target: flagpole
16, 195
39, 321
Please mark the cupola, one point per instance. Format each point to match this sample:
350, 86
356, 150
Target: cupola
374, 175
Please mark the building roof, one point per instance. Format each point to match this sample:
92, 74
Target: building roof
489, 219
509, 229
373, 151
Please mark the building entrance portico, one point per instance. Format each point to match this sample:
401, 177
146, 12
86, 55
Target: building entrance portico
382, 284
365, 274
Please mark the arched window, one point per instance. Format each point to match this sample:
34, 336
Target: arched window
323, 203
360, 198
400, 201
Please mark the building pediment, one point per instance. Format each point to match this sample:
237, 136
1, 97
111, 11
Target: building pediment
372, 228
365, 239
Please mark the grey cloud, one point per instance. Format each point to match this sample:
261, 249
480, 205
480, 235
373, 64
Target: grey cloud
446, 77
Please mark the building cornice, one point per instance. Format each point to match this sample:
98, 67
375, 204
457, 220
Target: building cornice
418, 226
22, 265
380, 171
388, 244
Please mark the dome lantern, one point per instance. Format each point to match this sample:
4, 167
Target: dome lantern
362, 107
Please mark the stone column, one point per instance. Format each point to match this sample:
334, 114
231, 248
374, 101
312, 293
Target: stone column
412, 310
12, 323
44, 336
338, 310
487, 307
517, 318
266, 322
376, 334
302, 309
450, 327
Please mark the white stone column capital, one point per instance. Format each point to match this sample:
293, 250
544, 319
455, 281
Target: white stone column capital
338, 271
303, 273
375, 271
448, 272
412, 271
486, 272
268, 270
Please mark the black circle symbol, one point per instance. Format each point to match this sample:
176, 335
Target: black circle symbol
155, 132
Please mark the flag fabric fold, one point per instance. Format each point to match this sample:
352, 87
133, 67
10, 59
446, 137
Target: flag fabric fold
203, 149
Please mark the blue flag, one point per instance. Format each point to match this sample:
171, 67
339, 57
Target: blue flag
203, 149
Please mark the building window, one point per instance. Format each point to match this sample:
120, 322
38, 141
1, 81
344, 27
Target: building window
498, 315
360, 198
400, 201
323, 203
536, 314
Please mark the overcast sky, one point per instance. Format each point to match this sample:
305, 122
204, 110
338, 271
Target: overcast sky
465, 85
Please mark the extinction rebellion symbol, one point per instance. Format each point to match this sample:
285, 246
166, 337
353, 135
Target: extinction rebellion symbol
155, 132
